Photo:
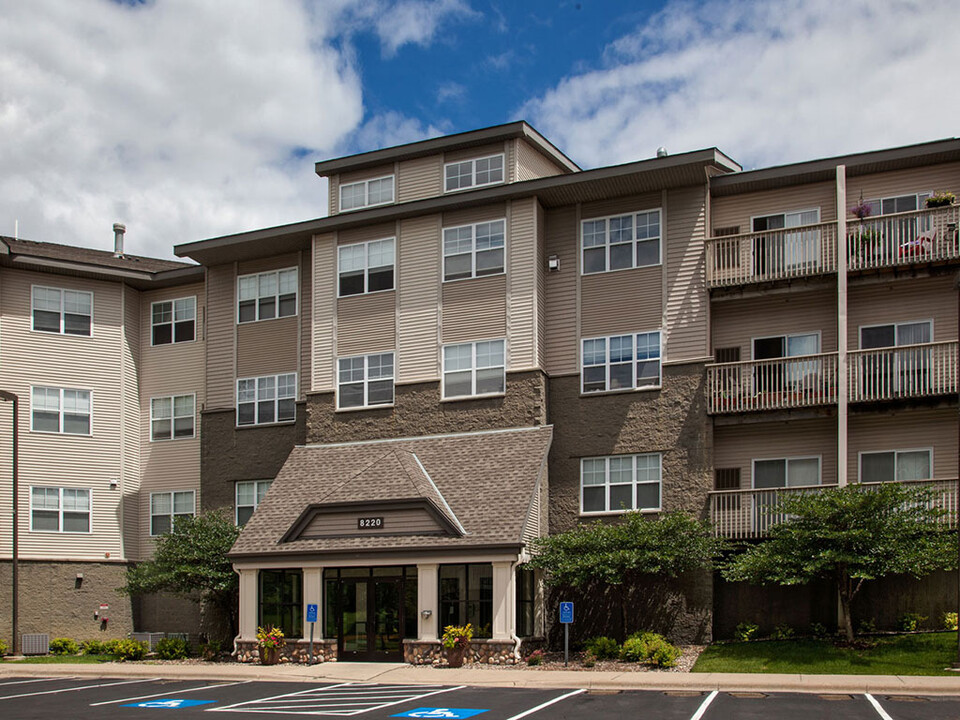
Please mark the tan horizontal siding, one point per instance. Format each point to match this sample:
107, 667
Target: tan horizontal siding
540, 233
367, 232
420, 178
365, 174
412, 521
475, 309
275, 262
532, 164
176, 368
906, 430
221, 324
454, 218
333, 195
473, 152
6, 450
560, 292
267, 347
685, 331
324, 311
132, 421
622, 301
306, 322
366, 323
620, 206
167, 465
739, 209
907, 300
524, 269
929, 178
419, 300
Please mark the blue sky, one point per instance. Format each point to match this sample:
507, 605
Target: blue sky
189, 119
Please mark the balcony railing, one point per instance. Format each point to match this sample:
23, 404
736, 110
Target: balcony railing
903, 238
746, 514
772, 255
792, 382
905, 371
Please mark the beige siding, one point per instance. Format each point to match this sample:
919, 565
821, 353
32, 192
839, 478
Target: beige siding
930, 178
532, 164
367, 323
621, 301
333, 195
221, 340
366, 174
474, 215
275, 262
324, 311
906, 300
368, 232
475, 309
620, 206
736, 322
420, 178
524, 270
418, 286
906, 430
685, 330
560, 292
306, 322
131, 420
414, 521
736, 446
473, 152
738, 209
267, 347
540, 232
6, 448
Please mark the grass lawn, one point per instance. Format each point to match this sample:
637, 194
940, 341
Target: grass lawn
926, 654
61, 659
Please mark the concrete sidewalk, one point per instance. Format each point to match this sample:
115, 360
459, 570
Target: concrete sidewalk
397, 673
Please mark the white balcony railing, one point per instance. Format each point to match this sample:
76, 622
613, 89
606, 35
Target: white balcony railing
745, 514
792, 382
903, 238
905, 371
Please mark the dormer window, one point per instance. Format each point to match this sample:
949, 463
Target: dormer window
378, 191
473, 173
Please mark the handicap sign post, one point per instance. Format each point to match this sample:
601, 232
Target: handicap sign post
312, 619
566, 617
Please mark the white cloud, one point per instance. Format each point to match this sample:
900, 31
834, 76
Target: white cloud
451, 91
389, 129
767, 82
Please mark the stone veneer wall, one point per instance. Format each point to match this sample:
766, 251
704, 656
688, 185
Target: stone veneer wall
418, 410
295, 651
489, 652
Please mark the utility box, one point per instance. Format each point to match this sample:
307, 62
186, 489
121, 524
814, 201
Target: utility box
35, 644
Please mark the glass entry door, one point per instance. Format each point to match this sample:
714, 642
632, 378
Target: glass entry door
369, 619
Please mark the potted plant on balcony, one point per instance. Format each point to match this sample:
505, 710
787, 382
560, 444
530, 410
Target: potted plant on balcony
865, 240
456, 640
943, 198
269, 643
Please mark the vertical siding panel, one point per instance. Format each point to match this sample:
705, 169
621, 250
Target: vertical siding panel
685, 334
131, 421
333, 194
532, 164
560, 292
221, 337
420, 178
304, 361
419, 299
523, 276
324, 310
541, 315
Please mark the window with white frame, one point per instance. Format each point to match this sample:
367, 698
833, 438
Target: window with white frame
786, 472
173, 321
365, 380
66, 312
474, 368
267, 295
366, 267
249, 495
378, 191
57, 509
172, 418
60, 410
473, 250
896, 465
267, 399
620, 482
897, 203
621, 362
166, 507
473, 173
621, 242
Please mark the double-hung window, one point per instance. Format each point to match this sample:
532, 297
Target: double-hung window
173, 321
56, 509
620, 482
66, 312
267, 295
172, 418
621, 242
366, 267
896, 465
621, 362
473, 250
786, 472
166, 507
365, 380
60, 410
250, 493
267, 399
473, 173
378, 191
476, 368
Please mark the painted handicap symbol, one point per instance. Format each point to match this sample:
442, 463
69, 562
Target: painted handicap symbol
441, 713
169, 703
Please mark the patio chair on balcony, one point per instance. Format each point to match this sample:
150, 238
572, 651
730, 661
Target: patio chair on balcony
920, 246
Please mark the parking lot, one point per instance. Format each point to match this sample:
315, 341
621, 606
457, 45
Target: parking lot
74, 698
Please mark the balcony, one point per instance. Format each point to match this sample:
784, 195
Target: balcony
782, 383
905, 371
905, 238
749, 514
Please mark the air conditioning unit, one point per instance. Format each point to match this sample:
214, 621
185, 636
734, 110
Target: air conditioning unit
35, 644
152, 638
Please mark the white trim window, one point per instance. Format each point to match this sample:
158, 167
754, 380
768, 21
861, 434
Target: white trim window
267, 399
166, 507
365, 267
365, 380
896, 465
620, 242
786, 472
473, 173
172, 418
65, 312
897, 203
60, 410
366, 193
250, 494
473, 369
173, 321
621, 362
267, 295
62, 510
619, 483
473, 250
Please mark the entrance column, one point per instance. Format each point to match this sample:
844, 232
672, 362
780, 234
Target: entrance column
248, 603
313, 594
427, 593
504, 594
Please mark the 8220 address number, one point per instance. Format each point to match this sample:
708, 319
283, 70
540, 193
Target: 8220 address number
369, 523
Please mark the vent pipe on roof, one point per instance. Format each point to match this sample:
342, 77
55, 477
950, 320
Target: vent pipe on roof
661, 151
118, 230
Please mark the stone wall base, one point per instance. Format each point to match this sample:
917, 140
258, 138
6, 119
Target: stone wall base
490, 652
295, 651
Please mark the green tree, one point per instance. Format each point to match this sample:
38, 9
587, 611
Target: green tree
616, 555
849, 535
192, 560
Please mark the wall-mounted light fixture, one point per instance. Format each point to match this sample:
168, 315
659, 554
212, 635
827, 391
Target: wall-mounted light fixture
553, 263
426, 613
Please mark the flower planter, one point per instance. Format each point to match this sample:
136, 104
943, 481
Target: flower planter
269, 656
455, 656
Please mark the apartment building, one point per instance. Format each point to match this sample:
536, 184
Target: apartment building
105, 354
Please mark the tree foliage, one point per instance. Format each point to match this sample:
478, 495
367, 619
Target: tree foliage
849, 535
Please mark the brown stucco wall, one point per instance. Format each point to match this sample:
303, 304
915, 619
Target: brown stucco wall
418, 411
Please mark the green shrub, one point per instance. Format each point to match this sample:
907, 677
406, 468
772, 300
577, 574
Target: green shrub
127, 649
93, 647
949, 621
649, 648
941, 199
211, 650
172, 649
746, 631
663, 654
535, 658
589, 659
3, 648
64, 646
819, 631
603, 648
867, 626
781, 632
911, 622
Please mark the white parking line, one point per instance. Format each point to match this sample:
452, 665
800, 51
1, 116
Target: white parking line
704, 705
24, 682
169, 692
541, 706
876, 706
343, 699
84, 687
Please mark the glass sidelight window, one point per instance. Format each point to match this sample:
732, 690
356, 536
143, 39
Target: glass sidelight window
281, 601
466, 596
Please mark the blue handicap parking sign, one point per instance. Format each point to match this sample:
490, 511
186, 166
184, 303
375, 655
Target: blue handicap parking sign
566, 612
311, 613
168, 703
440, 713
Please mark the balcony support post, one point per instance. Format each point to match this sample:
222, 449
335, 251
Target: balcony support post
842, 389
